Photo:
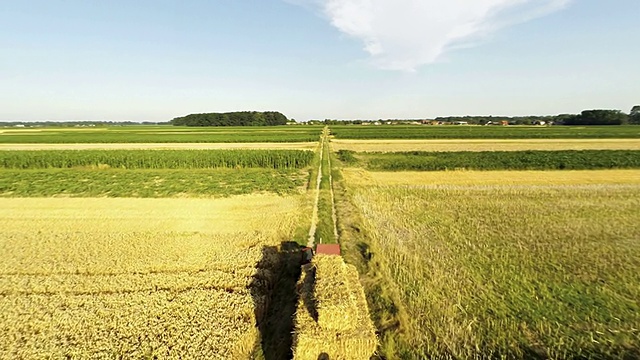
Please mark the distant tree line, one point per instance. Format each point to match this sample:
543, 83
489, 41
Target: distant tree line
240, 118
587, 117
512, 120
634, 116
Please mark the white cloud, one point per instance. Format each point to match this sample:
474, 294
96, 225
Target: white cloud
405, 34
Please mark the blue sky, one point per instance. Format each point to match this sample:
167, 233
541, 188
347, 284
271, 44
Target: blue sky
316, 59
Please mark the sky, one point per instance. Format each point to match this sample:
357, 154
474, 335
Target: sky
153, 60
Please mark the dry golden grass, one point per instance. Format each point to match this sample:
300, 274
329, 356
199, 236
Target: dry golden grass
104, 278
508, 270
332, 317
485, 145
164, 146
362, 177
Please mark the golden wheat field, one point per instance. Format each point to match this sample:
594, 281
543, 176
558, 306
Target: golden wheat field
484, 144
138, 278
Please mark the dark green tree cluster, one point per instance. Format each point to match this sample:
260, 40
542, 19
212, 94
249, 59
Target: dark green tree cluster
598, 117
634, 115
240, 118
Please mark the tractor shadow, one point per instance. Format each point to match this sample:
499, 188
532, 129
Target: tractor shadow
275, 300
307, 290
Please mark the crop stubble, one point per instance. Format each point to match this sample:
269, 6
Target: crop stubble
172, 278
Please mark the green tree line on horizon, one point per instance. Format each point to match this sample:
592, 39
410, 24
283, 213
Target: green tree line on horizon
239, 118
587, 117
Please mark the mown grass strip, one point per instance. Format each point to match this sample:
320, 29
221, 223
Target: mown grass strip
161, 134
148, 183
325, 233
156, 159
498, 160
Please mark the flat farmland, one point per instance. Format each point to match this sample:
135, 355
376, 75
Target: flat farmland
152, 252
142, 278
152, 173
483, 132
542, 264
388, 145
159, 134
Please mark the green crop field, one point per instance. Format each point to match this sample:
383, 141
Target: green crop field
156, 159
483, 132
160, 134
495, 160
152, 173
149, 183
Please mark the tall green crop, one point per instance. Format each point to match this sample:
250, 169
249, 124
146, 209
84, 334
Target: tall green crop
156, 159
504, 160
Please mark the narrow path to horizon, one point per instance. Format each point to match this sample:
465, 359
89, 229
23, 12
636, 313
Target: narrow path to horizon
315, 214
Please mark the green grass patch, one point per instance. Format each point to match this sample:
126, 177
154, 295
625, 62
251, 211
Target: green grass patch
325, 227
148, 183
502, 160
483, 132
161, 134
156, 159
347, 156
510, 272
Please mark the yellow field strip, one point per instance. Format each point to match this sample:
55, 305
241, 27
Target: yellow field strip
169, 325
218, 216
357, 176
164, 146
485, 145
116, 235
238, 280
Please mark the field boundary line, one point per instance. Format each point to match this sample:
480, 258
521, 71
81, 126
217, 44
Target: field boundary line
306, 146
